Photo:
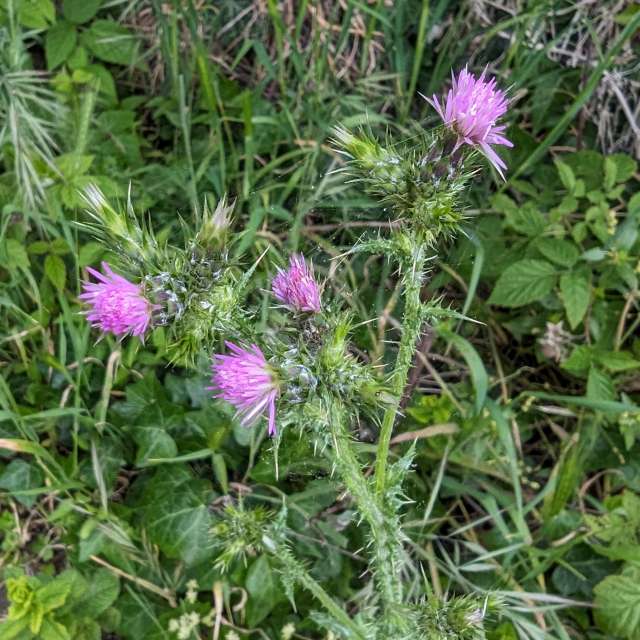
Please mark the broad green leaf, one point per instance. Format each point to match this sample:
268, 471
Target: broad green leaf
56, 271
36, 14
153, 443
55, 593
610, 173
110, 42
53, 630
524, 282
527, 220
576, 293
176, 514
103, 591
600, 386
10, 629
567, 177
59, 43
14, 254
20, 475
79, 11
262, 587
618, 602
617, 360
561, 252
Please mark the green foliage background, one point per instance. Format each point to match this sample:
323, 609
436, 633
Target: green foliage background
115, 466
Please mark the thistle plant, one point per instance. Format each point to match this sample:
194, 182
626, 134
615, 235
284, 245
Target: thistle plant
303, 375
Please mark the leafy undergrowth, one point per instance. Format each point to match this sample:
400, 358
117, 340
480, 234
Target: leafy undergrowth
116, 466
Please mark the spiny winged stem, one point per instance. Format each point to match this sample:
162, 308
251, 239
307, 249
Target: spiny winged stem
294, 570
386, 548
411, 326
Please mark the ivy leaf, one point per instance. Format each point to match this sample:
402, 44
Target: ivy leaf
176, 514
576, 293
20, 475
153, 443
618, 602
524, 282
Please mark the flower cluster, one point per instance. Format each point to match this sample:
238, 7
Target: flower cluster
244, 377
471, 109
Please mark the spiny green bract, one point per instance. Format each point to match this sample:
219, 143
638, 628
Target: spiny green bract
421, 182
239, 533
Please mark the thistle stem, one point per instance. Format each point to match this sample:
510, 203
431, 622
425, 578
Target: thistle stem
296, 570
385, 541
411, 326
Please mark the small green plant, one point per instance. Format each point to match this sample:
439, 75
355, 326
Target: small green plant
68, 606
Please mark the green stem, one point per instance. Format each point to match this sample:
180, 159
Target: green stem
386, 547
411, 326
296, 570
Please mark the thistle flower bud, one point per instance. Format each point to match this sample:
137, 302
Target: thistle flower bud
116, 305
296, 287
215, 225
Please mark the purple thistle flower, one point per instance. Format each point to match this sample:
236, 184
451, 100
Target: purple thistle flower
296, 287
116, 305
246, 380
472, 108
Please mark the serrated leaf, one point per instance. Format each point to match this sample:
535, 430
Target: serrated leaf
53, 630
524, 282
59, 42
14, 254
576, 294
79, 11
56, 271
567, 177
617, 360
527, 220
600, 386
10, 629
618, 602
103, 591
562, 252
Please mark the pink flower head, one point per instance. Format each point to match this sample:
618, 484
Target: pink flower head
296, 287
246, 380
116, 305
472, 108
